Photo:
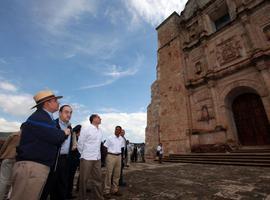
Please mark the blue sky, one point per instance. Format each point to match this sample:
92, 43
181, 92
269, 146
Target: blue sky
99, 54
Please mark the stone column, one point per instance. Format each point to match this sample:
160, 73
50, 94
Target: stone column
211, 86
190, 118
263, 68
250, 36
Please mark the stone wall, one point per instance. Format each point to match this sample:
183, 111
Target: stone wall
202, 67
152, 129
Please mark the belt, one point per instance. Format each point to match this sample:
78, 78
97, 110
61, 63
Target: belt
114, 154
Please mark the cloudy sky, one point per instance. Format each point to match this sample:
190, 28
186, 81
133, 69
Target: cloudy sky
99, 54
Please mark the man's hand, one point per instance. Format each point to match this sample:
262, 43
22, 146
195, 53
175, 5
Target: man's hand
67, 131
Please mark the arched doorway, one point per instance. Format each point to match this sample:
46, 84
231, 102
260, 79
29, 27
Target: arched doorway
251, 120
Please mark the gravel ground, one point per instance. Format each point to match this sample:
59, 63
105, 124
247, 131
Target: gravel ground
146, 181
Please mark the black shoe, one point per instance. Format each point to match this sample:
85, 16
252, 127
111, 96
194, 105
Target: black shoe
71, 197
123, 184
107, 196
117, 194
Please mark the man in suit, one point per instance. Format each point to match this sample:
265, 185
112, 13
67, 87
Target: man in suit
74, 160
56, 185
124, 156
37, 150
7, 156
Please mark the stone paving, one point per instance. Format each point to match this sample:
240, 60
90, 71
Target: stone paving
195, 181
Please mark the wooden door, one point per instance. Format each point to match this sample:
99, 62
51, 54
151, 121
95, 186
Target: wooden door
251, 120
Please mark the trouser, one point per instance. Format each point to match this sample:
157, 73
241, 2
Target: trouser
139, 158
5, 177
90, 169
56, 184
160, 158
128, 158
74, 163
135, 157
28, 180
113, 168
121, 179
143, 159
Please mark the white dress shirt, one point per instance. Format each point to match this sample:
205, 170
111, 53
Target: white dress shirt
114, 144
89, 143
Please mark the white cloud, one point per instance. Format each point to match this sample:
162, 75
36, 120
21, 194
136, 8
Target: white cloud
114, 14
69, 55
77, 106
117, 72
102, 46
69, 20
107, 82
87, 43
16, 104
133, 123
108, 110
2, 60
153, 11
7, 126
114, 73
8, 86
79, 111
55, 16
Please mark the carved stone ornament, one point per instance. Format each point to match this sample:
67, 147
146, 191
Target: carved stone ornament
205, 116
246, 1
266, 31
228, 51
198, 68
193, 31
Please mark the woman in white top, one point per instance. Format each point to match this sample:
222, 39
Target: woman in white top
160, 152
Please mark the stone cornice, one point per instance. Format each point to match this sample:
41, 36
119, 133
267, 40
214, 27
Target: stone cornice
167, 43
219, 74
219, 128
204, 37
164, 22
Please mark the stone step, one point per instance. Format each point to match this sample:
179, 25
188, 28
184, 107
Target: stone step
251, 151
222, 160
220, 163
221, 156
252, 159
261, 147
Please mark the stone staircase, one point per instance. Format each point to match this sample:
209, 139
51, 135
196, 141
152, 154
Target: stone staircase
243, 157
252, 149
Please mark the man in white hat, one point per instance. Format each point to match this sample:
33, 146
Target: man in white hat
37, 150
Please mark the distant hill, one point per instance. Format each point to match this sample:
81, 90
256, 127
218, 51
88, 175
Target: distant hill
4, 135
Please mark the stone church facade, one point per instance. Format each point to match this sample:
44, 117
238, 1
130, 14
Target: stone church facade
213, 78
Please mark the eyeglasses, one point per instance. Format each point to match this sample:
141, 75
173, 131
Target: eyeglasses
54, 100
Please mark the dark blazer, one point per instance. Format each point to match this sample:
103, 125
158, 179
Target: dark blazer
59, 127
40, 139
124, 152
